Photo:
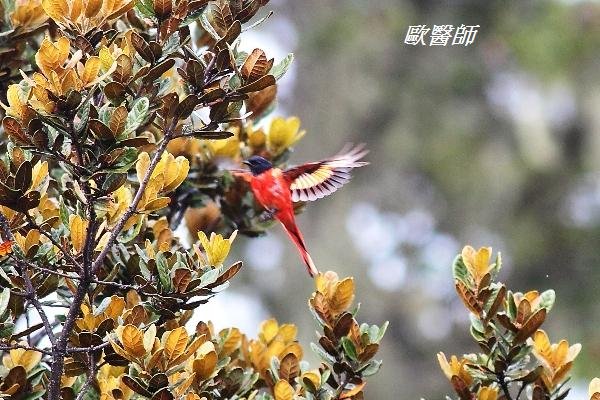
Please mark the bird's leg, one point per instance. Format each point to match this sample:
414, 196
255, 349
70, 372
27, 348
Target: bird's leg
267, 215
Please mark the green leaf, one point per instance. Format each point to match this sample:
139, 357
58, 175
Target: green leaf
382, 331
209, 277
372, 368
547, 299
145, 8
84, 115
460, 271
4, 298
136, 116
6, 328
322, 353
126, 160
35, 395
63, 212
279, 69
163, 271
349, 349
208, 27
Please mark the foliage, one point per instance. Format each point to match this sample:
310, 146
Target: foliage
518, 359
121, 122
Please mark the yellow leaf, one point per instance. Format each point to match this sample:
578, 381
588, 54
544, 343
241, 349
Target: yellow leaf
342, 296
314, 376
40, 176
90, 71
175, 342
216, 248
133, 342
56, 9
205, 364
106, 58
288, 332
32, 238
92, 8
269, 330
232, 342
181, 169
157, 204
283, 391
78, 227
76, 8
142, 165
119, 350
115, 307
28, 359
283, 133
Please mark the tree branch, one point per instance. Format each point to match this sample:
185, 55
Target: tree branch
60, 350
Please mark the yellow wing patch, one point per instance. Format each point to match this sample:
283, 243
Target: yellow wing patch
316, 180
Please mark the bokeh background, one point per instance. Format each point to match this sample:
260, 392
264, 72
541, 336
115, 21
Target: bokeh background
493, 144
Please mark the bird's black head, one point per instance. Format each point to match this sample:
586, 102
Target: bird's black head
258, 165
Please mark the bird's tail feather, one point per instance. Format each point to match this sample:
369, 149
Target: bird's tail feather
294, 233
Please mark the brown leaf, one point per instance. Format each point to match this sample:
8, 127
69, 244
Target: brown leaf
181, 279
468, 298
13, 129
135, 385
136, 316
289, 367
100, 130
529, 327
118, 120
368, 353
123, 70
461, 388
220, 17
168, 27
256, 65
186, 107
227, 275
194, 73
162, 8
259, 84
343, 325
261, 101
141, 46
538, 393
115, 92
523, 311
23, 177
500, 296
158, 70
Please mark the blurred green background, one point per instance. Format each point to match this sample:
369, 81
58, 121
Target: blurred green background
493, 144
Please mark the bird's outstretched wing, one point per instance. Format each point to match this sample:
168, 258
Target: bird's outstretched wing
316, 180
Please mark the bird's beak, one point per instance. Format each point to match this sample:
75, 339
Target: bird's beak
246, 162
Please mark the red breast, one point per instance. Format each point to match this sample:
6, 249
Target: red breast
272, 190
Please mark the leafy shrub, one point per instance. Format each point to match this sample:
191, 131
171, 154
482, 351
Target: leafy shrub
121, 122
517, 359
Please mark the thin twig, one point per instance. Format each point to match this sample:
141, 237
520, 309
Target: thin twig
92, 375
87, 349
66, 253
24, 347
31, 293
136, 200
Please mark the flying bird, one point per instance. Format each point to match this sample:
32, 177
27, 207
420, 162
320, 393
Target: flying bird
276, 190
